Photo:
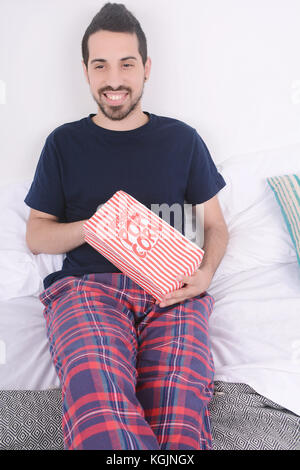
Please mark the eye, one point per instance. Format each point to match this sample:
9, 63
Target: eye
101, 66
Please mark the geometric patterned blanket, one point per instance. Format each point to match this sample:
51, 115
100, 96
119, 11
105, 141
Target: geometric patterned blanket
241, 419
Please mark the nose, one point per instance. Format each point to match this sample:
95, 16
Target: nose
114, 80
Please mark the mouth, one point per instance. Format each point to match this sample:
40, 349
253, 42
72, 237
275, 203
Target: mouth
115, 99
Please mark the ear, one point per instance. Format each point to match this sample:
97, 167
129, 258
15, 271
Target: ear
148, 67
85, 71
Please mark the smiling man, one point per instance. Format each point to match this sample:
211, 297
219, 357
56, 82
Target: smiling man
134, 374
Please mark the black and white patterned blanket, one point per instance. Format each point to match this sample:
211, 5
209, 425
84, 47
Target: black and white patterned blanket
241, 419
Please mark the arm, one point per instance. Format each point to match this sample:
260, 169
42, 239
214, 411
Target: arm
44, 234
216, 236
215, 243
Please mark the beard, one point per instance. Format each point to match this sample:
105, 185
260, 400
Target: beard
117, 113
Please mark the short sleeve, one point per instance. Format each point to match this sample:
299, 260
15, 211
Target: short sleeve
46, 191
204, 180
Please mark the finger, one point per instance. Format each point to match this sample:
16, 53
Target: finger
177, 294
174, 297
185, 279
166, 303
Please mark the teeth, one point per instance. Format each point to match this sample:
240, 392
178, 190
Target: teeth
115, 97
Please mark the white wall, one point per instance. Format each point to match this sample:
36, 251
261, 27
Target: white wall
229, 68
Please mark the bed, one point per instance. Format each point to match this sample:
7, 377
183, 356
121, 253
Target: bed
254, 328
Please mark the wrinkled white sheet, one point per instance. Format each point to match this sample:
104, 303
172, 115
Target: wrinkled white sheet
255, 331
25, 361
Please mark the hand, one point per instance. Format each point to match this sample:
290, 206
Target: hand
82, 234
195, 285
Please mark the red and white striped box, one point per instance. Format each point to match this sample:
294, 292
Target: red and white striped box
142, 245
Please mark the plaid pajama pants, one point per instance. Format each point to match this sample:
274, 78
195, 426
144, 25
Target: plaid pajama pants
133, 375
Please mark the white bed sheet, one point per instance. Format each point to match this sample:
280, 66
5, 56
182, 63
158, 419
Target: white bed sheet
255, 332
25, 357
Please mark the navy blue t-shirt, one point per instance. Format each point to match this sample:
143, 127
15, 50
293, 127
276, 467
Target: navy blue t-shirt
82, 165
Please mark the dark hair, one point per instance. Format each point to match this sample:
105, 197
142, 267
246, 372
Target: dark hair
114, 17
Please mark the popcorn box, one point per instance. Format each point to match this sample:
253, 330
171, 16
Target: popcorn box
142, 245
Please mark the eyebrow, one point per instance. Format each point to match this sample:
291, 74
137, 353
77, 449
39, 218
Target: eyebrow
104, 60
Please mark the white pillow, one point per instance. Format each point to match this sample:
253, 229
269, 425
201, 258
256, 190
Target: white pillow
21, 272
257, 235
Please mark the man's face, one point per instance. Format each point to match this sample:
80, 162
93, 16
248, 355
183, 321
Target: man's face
111, 70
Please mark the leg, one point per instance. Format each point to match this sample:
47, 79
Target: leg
93, 347
175, 373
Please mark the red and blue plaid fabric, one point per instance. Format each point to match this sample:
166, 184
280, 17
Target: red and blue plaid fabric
133, 375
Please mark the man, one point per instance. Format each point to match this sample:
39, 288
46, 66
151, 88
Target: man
134, 374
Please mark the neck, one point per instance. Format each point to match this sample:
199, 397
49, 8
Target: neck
129, 123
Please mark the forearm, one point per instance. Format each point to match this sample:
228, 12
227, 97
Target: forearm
49, 236
215, 244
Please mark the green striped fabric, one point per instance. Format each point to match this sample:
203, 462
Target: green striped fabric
287, 192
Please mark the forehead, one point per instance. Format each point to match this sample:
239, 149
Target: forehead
111, 45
